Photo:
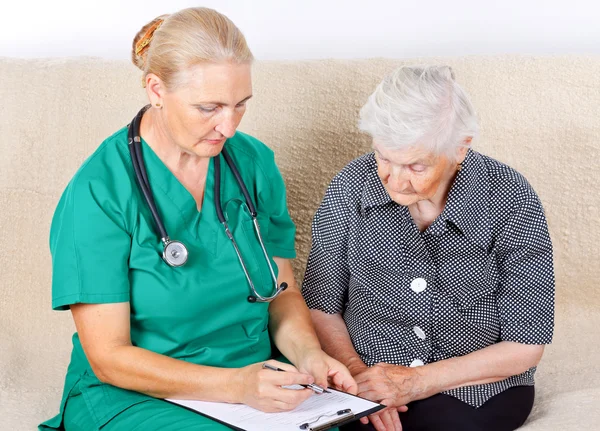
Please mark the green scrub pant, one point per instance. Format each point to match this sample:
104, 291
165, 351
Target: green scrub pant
147, 416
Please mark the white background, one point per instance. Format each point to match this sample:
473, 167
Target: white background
280, 29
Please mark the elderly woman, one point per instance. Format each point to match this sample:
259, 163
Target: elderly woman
430, 275
191, 316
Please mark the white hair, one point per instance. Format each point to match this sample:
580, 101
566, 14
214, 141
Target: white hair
420, 106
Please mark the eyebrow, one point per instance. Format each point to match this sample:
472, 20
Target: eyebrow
221, 103
419, 161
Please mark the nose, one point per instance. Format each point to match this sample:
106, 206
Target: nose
228, 124
398, 179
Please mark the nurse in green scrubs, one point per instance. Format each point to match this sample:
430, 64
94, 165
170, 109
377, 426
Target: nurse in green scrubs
146, 330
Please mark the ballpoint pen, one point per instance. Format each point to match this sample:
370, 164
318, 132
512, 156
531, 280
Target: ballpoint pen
318, 389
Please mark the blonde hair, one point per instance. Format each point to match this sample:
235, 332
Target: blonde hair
422, 106
170, 44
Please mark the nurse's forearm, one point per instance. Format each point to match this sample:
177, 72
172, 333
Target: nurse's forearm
104, 332
290, 323
160, 376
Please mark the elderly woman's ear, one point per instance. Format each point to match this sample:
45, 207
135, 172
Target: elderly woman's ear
461, 151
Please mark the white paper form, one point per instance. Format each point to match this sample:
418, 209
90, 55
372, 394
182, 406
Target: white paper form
318, 409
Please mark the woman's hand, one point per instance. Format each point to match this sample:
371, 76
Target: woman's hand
378, 384
391, 385
262, 389
385, 420
326, 371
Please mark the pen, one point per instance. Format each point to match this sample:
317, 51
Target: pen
318, 389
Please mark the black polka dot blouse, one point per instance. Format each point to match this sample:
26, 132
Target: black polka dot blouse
480, 274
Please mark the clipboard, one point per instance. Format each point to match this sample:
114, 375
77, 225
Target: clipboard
318, 413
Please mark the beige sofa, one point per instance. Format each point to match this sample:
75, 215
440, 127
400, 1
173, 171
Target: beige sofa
539, 115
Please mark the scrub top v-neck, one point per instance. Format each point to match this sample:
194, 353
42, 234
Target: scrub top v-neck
105, 249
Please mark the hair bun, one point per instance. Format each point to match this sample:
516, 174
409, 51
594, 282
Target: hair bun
141, 41
171, 43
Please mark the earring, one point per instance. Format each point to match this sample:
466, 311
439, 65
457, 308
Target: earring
157, 105
459, 167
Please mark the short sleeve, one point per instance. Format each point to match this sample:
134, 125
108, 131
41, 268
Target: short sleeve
281, 234
526, 291
326, 278
90, 250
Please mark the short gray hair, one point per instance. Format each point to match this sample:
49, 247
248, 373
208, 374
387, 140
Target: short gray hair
420, 106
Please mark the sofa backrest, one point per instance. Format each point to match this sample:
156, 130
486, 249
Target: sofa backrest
539, 115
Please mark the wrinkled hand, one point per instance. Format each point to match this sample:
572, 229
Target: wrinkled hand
391, 385
262, 388
326, 371
384, 420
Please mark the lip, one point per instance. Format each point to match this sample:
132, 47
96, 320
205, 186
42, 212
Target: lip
214, 141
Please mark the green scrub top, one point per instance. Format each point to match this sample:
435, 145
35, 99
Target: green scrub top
105, 249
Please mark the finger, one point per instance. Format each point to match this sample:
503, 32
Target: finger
388, 402
364, 420
395, 418
319, 371
387, 419
286, 379
394, 413
292, 397
365, 386
284, 366
271, 405
377, 423
275, 406
371, 383
343, 380
371, 395
373, 387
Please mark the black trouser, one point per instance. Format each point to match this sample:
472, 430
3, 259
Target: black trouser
506, 411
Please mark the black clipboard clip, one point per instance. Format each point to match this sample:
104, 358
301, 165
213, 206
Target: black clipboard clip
341, 416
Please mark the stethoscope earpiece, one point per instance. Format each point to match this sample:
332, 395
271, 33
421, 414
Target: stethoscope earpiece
281, 288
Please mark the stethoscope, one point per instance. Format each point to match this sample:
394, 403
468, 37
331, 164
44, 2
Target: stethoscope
175, 253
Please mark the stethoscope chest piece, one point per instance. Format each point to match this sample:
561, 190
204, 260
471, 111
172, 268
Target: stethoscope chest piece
175, 253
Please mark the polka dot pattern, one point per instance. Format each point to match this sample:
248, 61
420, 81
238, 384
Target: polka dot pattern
480, 274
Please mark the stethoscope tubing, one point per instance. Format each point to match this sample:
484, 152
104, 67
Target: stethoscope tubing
141, 175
